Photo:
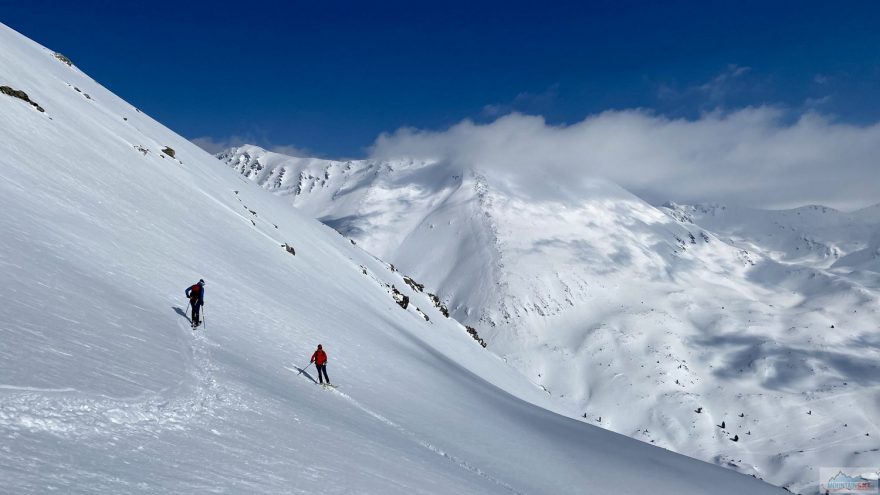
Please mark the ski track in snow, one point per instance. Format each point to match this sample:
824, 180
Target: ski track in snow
70, 416
433, 448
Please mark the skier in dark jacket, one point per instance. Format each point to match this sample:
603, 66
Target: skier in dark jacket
320, 360
196, 295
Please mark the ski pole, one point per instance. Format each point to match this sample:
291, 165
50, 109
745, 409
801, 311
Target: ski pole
301, 370
204, 320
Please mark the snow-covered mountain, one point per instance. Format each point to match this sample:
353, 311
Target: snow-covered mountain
108, 216
644, 320
811, 235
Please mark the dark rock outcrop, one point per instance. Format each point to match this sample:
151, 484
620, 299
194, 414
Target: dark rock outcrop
21, 95
399, 298
473, 333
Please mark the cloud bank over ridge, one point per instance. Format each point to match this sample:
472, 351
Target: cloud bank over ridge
756, 156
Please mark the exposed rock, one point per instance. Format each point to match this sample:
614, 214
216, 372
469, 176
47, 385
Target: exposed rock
287, 247
422, 314
21, 95
63, 59
399, 298
473, 333
415, 285
168, 150
439, 305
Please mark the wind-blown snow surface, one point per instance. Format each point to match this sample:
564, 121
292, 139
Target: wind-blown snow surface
640, 319
105, 389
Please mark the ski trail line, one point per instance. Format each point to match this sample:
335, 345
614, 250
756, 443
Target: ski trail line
72, 416
433, 448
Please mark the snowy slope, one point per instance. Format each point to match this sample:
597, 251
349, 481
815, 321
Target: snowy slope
811, 235
105, 389
635, 318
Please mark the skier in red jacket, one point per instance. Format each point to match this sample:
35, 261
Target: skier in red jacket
320, 360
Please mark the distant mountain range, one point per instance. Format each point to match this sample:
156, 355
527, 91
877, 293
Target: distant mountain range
661, 323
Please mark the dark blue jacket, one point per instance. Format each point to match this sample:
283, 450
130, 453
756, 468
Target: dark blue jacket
201, 294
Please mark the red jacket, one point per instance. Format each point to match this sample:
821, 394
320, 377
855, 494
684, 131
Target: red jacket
319, 357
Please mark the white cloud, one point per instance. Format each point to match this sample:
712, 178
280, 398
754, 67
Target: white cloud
754, 156
291, 150
731, 81
215, 145
722, 84
525, 102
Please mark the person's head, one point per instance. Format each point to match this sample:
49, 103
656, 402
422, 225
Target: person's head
319, 346
201, 281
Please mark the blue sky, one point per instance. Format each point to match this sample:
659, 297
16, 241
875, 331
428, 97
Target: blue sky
331, 76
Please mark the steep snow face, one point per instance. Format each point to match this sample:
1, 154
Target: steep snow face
642, 320
108, 216
405, 211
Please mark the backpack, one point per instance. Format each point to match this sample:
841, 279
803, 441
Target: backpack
195, 291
